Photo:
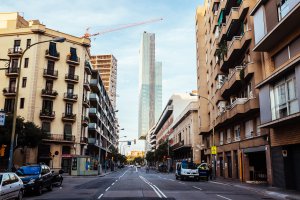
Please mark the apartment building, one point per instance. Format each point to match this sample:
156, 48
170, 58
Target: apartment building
102, 129
107, 66
51, 92
227, 73
277, 39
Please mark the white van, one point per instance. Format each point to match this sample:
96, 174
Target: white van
186, 170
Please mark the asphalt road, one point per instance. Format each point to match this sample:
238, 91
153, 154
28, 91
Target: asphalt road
133, 183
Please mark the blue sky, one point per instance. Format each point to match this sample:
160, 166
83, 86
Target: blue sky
175, 41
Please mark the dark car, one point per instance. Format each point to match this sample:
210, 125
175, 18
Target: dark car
36, 177
162, 168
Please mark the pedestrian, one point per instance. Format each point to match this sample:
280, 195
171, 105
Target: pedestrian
147, 169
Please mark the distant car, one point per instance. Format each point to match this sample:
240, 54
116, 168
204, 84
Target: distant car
11, 186
138, 166
162, 168
36, 178
130, 165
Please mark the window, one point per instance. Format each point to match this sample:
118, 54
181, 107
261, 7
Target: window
237, 133
52, 49
49, 85
9, 105
70, 89
69, 109
259, 24
28, 42
249, 129
17, 44
221, 137
50, 67
284, 100
228, 135
68, 132
26, 62
24, 81
14, 63
46, 127
284, 6
22, 102
47, 106
257, 126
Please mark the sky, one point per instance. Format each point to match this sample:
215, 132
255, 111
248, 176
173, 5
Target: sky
175, 42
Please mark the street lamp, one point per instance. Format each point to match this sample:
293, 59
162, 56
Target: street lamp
12, 140
213, 130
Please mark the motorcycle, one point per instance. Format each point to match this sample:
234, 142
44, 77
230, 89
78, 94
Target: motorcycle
57, 178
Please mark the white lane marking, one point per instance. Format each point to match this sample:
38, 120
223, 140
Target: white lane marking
154, 187
100, 196
223, 197
112, 183
124, 173
170, 179
136, 169
218, 183
107, 189
197, 188
181, 182
116, 180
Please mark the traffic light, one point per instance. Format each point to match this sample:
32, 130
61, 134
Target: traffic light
134, 141
2, 150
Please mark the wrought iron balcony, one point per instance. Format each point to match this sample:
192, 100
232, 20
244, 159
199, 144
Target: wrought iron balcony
9, 91
52, 55
12, 71
47, 114
72, 78
59, 138
53, 74
70, 117
70, 97
73, 60
15, 51
49, 93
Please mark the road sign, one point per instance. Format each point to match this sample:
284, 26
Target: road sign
2, 119
214, 150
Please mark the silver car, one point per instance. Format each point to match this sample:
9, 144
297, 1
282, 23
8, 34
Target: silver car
11, 186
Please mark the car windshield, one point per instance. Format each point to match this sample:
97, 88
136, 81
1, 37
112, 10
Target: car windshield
29, 170
189, 166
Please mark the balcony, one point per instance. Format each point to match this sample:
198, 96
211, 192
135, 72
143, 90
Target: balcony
249, 71
153, 141
87, 67
83, 140
72, 78
73, 60
52, 55
68, 117
94, 97
290, 14
52, 74
10, 91
70, 97
94, 84
49, 93
241, 107
236, 48
93, 141
15, 52
85, 102
47, 114
12, 71
85, 121
232, 22
233, 83
92, 126
59, 138
222, 35
86, 85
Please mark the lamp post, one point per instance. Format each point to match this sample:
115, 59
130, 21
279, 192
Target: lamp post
213, 131
12, 140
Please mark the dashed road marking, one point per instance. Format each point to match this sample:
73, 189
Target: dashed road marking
223, 197
218, 183
100, 196
112, 183
107, 189
197, 188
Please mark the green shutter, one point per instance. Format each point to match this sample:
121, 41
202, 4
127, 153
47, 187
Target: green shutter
220, 18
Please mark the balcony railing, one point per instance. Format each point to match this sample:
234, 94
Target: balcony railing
85, 120
9, 91
49, 93
12, 71
15, 51
47, 114
73, 59
68, 117
50, 73
60, 138
71, 77
86, 85
83, 140
86, 101
70, 96
52, 55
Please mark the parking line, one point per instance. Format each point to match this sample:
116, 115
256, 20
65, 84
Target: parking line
100, 196
223, 197
197, 188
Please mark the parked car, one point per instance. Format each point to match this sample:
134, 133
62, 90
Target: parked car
57, 178
36, 178
186, 170
162, 168
11, 186
203, 170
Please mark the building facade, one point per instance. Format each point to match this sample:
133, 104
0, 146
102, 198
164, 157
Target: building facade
277, 39
107, 66
227, 73
51, 90
150, 86
102, 129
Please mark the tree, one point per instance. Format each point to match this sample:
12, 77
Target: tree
161, 151
138, 160
150, 156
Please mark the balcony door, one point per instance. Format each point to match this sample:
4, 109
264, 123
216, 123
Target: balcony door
12, 84
69, 109
49, 85
68, 132
14, 63
17, 44
47, 106
52, 49
50, 67
70, 89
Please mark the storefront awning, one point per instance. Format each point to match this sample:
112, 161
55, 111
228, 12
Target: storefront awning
254, 149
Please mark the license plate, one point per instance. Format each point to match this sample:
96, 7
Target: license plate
191, 176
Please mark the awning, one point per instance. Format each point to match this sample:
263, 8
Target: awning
254, 149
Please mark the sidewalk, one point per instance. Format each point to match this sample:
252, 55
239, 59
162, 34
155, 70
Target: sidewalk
274, 192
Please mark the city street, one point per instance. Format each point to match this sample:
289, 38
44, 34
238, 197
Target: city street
133, 183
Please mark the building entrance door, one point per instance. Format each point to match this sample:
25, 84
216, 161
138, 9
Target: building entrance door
66, 165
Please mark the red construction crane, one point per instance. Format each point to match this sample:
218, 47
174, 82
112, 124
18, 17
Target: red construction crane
89, 35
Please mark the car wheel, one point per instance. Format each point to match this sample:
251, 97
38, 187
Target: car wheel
39, 191
176, 177
50, 187
59, 183
20, 195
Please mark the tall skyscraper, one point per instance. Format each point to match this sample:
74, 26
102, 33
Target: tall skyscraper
107, 66
150, 81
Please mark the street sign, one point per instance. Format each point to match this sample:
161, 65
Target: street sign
214, 150
2, 119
